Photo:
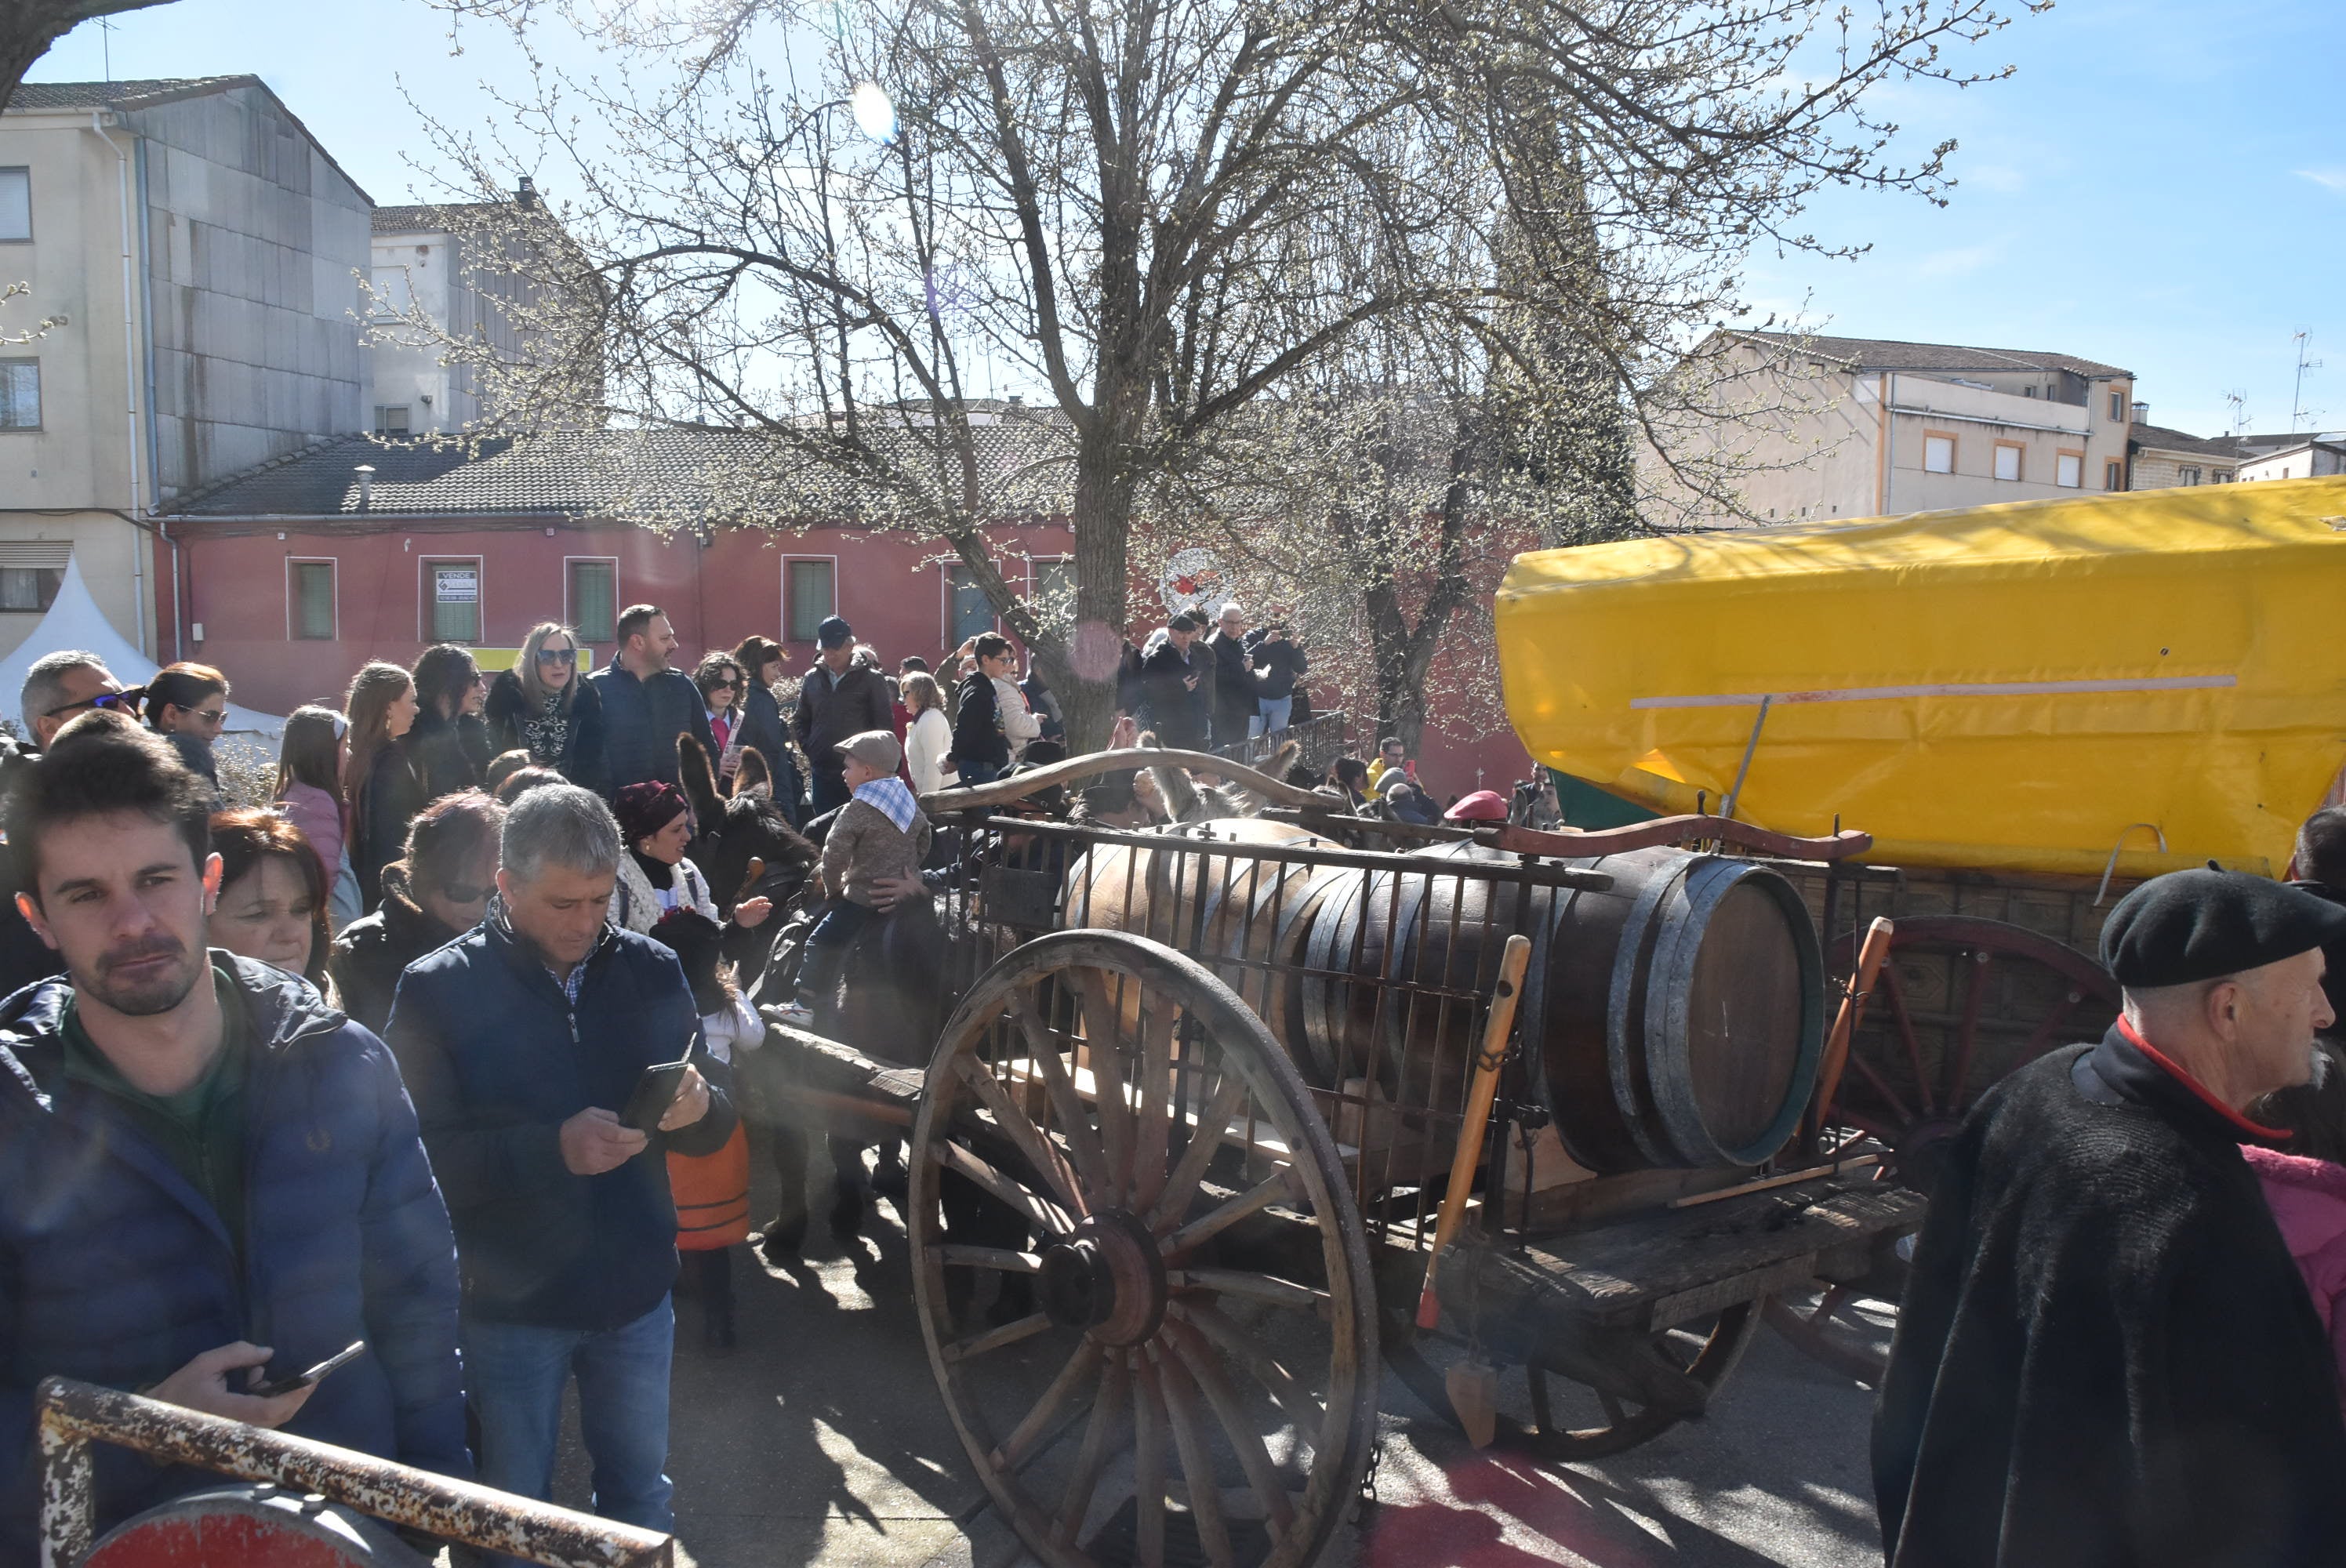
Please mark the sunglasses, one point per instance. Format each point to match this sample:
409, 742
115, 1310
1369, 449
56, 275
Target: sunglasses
211, 715
724, 686
466, 895
557, 655
111, 699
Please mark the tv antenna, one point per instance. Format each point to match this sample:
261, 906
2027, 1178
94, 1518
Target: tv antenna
2303, 338
2238, 402
106, 45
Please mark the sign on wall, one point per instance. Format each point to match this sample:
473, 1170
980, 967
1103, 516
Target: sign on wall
456, 584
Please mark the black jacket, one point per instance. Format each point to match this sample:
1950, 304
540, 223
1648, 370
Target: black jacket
1175, 712
828, 715
439, 751
1234, 707
24, 956
370, 954
498, 1058
2106, 1356
641, 719
581, 761
378, 831
761, 731
1276, 665
977, 724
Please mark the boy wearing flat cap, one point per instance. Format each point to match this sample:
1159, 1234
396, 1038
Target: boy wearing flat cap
2105, 1354
880, 836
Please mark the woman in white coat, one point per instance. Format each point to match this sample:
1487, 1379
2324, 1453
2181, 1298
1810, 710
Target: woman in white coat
928, 737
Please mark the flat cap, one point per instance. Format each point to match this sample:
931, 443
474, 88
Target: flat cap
1184, 622
2189, 926
875, 749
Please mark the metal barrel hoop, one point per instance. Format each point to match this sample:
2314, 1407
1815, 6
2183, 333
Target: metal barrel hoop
1622, 1038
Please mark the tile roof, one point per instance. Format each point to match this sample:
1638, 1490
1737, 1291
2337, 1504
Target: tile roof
690, 475
32, 96
2159, 438
432, 215
1892, 354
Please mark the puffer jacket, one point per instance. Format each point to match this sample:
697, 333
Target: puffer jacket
370, 955
113, 1270
498, 1058
828, 714
641, 719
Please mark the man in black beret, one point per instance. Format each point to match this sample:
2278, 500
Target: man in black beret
2105, 1354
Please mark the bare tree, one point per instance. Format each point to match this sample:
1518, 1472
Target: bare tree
28, 28
1166, 216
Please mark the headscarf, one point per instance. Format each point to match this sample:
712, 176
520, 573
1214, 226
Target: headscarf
643, 809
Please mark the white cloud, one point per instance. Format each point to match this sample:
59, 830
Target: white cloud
2332, 180
1959, 262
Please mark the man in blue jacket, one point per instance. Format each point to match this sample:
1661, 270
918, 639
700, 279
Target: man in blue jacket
204, 1169
646, 703
521, 1041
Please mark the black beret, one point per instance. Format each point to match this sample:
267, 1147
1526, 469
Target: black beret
2188, 926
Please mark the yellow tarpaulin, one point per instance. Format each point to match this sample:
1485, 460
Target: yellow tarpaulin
2025, 686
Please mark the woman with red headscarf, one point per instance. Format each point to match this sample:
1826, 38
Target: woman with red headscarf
655, 877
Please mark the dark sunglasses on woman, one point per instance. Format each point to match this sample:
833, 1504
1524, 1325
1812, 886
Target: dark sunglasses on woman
557, 655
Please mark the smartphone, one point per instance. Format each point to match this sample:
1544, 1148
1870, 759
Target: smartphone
654, 1091
276, 1386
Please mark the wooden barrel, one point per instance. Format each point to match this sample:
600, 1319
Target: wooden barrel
1674, 1019
1679, 1016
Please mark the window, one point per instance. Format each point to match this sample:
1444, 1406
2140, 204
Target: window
20, 395
1938, 454
452, 601
311, 588
2114, 475
2027, 391
1053, 593
33, 588
591, 592
2223, 476
2069, 469
2007, 460
2187, 477
2117, 408
16, 204
392, 293
390, 420
968, 610
810, 597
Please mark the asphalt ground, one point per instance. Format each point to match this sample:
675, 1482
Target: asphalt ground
822, 1439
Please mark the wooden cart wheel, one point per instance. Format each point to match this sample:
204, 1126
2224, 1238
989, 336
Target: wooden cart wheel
1824, 1332
1553, 1416
1107, 1129
1961, 1003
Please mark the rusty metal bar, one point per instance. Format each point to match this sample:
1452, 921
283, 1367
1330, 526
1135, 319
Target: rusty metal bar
73, 1415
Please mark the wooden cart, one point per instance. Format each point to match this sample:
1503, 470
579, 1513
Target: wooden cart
1181, 1151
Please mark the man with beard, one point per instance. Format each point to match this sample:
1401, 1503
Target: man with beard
646, 703
2105, 1354
208, 1179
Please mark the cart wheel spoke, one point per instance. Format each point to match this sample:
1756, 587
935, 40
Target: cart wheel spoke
1198, 1359
1186, 1423
1888, 1095
1149, 1464
1242, 1347
1896, 991
1153, 1131
1615, 1415
1032, 1208
1100, 1441
1081, 1367
1205, 1142
1959, 1069
1042, 1158
1104, 1039
1075, 1122
1267, 1288
1212, 1223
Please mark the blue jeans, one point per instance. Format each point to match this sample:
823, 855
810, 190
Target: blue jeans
830, 792
1272, 714
824, 958
517, 1371
972, 774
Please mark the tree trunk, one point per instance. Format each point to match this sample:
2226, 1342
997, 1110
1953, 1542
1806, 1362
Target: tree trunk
1103, 529
28, 28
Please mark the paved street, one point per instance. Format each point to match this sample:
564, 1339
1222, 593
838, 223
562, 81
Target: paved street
822, 1439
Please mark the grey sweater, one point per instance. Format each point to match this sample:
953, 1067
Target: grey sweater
865, 846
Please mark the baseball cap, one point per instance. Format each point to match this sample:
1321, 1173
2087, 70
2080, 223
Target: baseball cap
833, 632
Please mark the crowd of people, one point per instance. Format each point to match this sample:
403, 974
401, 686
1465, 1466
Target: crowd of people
363, 1053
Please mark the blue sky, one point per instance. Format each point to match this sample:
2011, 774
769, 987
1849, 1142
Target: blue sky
2161, 185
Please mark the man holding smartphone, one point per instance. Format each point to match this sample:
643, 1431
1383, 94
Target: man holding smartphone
210, 1179
524, 1042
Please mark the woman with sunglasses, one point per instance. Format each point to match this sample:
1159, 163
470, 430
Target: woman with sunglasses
433, 895
187, 704
448, 692
545, 707
719, 679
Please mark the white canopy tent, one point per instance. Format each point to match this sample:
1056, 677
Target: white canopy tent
74, 621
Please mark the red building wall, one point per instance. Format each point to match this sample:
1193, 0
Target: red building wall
237, 587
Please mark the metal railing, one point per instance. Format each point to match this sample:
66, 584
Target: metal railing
73, 1415
1324, 736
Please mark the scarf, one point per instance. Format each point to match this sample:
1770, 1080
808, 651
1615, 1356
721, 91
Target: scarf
892, 799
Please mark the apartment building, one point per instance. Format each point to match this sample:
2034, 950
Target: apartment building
1857, 427
197, 254
453, 262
